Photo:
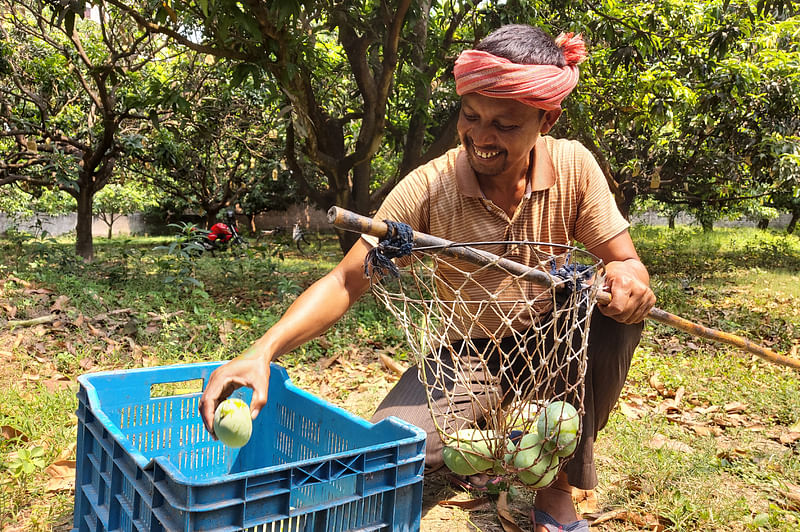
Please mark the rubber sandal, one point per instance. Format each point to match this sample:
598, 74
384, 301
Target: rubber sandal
543, 518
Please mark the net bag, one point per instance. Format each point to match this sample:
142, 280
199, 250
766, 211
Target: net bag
502, 357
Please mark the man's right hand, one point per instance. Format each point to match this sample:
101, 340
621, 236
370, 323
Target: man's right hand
250, 372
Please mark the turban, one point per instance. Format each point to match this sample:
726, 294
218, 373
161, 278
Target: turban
540, 86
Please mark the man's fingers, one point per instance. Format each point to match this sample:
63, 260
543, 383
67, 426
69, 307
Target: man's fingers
217, 390
227, 379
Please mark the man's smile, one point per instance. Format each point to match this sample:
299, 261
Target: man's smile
484, 154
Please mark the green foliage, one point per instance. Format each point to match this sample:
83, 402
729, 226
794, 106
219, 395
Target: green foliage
75, 100
220, 150
19, 203
693, 103
116, 200
179, 262
27, 462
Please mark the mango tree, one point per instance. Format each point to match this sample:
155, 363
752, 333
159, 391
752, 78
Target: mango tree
365, 83
691, 103
116, 200
211, 153
72, 94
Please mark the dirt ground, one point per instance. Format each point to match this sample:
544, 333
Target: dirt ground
439, 516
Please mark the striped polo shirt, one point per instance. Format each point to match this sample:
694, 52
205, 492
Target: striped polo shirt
567, 201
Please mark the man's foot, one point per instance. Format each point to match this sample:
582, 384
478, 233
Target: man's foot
556, 502
545, 521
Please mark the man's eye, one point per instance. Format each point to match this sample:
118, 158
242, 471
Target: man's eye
470, 117
503, 127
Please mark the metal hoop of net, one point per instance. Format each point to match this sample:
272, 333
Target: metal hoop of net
502, 358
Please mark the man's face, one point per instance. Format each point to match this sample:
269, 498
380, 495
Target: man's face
499, 134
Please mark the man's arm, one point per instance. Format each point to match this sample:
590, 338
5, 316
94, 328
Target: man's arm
627, 280
311, 314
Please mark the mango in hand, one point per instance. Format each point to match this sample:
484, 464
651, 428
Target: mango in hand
232, 423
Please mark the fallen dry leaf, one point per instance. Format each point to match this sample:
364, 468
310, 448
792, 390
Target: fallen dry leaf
632, 411
705, 430
69, 452
62, 475
37, 291
464, 504
59, 304
792, 495
648, 522
787, 438
679, 396
95, 331
732, 453
659, 441
8, 433
392, 365
504, 514
656, 384
586, 500
57, 382
17, 341
735, 407
225, 328
327, 362
11, 311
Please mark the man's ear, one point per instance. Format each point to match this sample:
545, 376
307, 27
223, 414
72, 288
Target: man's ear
549, 120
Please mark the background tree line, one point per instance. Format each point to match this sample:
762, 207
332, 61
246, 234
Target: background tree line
691, 106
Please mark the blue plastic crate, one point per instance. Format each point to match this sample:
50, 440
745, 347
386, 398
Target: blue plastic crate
147, 463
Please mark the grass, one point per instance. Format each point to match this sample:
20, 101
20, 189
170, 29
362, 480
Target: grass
723, 458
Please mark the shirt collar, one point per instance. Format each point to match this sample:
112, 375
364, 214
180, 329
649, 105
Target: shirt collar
544, 173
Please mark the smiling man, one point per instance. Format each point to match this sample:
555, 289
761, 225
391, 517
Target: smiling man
507, 181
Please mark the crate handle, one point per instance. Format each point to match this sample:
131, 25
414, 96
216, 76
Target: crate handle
177, 388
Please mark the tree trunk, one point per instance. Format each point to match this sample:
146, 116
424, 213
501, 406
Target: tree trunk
344, 199
671, 221
110, 222
627, 193
763, 223
211, 216
707, 225
83, 228
793, 222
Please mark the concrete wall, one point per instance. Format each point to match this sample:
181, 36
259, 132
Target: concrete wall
59, 225
651, 218
308, 217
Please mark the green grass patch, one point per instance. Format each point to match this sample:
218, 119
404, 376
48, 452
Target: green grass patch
139, 304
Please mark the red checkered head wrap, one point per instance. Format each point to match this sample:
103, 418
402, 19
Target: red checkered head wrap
540, 86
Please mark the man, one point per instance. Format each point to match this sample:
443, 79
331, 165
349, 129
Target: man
505, 182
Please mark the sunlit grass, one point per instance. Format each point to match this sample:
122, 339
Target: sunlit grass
737, 280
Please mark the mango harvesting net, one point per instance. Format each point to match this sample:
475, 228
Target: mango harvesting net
502, 354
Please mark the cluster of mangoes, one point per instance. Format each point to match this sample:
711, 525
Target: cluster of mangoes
534, 458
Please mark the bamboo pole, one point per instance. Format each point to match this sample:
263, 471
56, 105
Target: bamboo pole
350, 221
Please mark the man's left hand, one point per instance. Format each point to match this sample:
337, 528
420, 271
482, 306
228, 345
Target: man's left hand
631, 296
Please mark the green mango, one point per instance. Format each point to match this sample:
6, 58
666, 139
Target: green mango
534, 464
558, 426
